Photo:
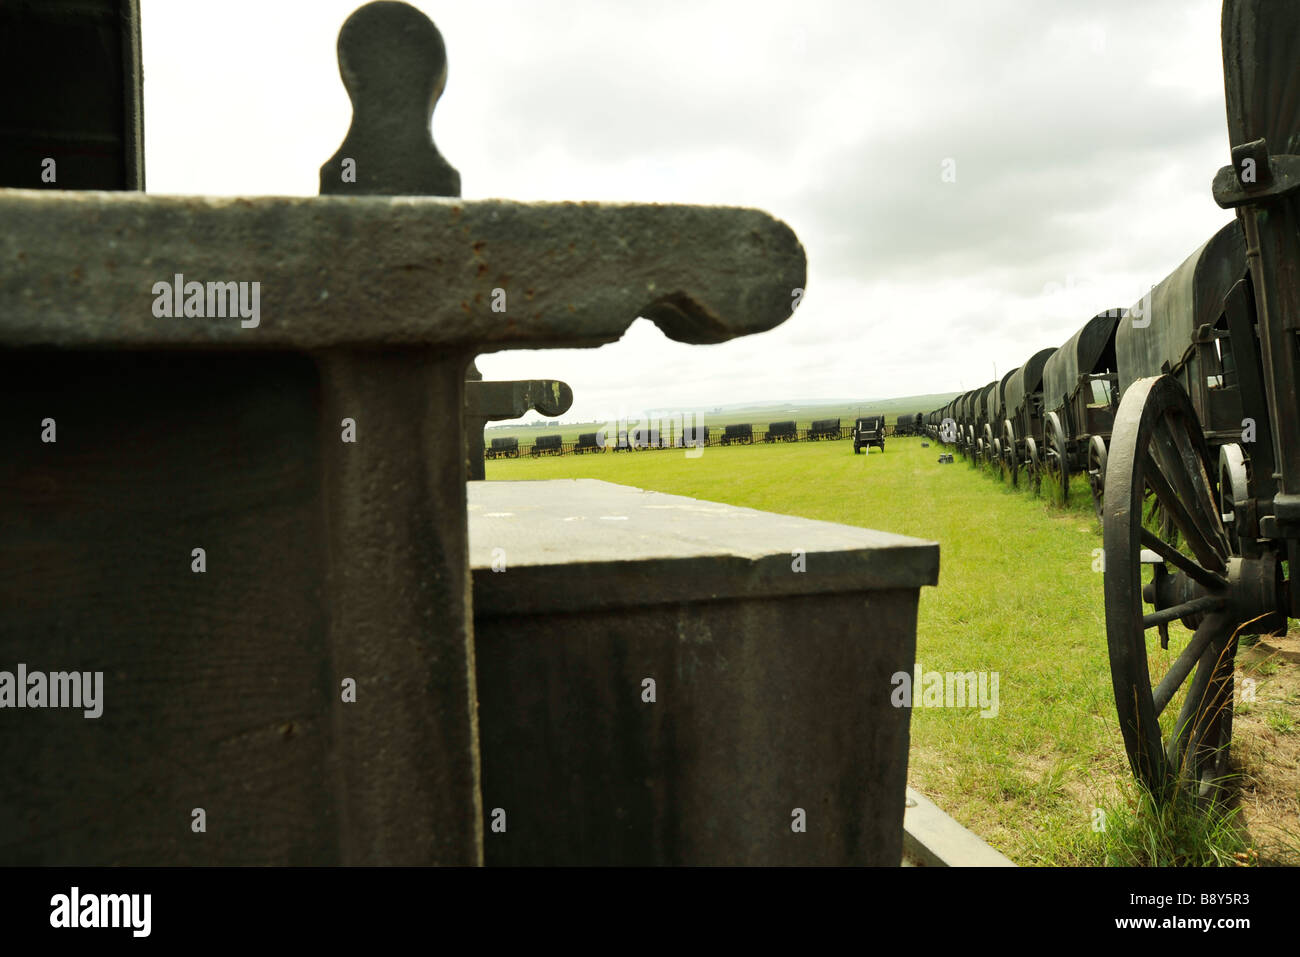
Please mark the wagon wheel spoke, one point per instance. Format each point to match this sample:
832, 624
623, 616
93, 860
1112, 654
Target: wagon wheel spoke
1010, 462
1033, 465
1158, 497
1210, 579
1056, 461
1210, 628
1190, 513
1097, 456
1198, 748
1185, 471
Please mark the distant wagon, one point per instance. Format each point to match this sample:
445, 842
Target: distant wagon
910, 424
982, 401
588, 442
547, 445
1022, 420
824, 429
1184, 333
693, 437
740, 434
645, 437
945, 423
869, 430
952, 412
997, 413
507, 448
782, 432
1080, 398
965, 419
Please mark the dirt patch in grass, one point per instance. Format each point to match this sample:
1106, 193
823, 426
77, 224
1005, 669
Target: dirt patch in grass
1266, 743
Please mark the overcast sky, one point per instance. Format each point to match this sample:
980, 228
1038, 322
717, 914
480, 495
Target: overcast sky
1083, 136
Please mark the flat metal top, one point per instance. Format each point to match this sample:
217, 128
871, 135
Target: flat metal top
574, 544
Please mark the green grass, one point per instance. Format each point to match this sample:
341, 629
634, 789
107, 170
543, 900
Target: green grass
1140, 833
1017, 595
1281, 722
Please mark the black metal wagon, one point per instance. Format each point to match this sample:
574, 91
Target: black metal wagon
997, 414
782, 432
824, 429
1080, 395
869, 430
1022, 419
1217, 535
984, 400
738, 434
505, 448
965, 423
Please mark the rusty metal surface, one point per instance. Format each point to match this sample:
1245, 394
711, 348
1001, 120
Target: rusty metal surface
573, 274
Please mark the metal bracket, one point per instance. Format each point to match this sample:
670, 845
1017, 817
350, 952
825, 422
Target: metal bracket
1274, 176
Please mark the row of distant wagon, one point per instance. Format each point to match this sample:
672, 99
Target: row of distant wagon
1054, 415
650, 437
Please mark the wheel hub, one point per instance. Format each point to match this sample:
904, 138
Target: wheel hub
1255, 592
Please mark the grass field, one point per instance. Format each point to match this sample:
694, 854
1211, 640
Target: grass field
1018, 595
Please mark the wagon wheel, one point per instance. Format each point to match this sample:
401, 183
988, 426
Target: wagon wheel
995, 458
1010, 467
1056, 461
1234, 490
1033, 466
979, 452
1158, 451
988, 444
1097, 472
